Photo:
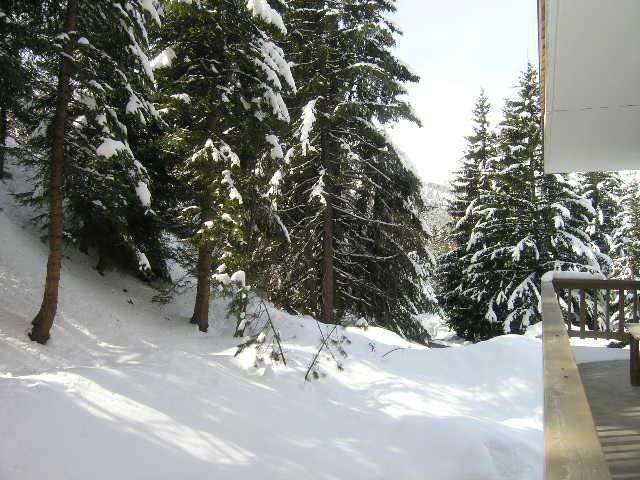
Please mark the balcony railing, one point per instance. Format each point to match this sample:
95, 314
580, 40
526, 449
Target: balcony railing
571, 445
603, 309
594, 309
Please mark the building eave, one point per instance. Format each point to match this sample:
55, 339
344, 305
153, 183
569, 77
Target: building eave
542, 49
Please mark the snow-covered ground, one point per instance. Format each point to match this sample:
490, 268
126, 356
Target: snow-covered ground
127, 389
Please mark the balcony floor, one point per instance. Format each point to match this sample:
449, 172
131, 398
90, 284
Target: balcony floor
615, 406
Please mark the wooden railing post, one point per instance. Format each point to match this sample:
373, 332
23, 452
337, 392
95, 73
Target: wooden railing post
596, 324
570, 310
621, 311
583, 313
634, 367
607, 313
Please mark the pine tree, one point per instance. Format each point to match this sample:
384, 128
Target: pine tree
18, 22
464, 313
220, 78
352, 205
625, 250
604, 189
91, 73
529, 223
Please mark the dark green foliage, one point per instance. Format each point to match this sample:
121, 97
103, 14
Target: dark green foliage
605, 190
220, 76
527, 224
464, 312
626, 236
351, 205
106, 188
19, 24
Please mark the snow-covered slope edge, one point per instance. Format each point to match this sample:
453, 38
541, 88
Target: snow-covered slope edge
128, 389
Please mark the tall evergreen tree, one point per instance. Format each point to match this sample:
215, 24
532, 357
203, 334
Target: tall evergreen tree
19, 22
91, 73
220, 83
605, 190
473, 179
352, 205
529, 222
625, 249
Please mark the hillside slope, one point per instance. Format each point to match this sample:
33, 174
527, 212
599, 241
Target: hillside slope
126, 388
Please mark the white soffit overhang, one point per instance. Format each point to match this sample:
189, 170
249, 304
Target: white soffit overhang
592, 85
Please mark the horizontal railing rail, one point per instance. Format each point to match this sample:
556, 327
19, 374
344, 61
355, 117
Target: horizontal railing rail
590, 283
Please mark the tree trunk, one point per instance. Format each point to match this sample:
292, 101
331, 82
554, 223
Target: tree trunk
201, 308
203, 291
328, 283
3, 136
43, 321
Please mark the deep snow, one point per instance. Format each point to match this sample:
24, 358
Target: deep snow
126, 388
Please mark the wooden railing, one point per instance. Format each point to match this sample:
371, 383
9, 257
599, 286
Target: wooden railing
571, 445
608, 307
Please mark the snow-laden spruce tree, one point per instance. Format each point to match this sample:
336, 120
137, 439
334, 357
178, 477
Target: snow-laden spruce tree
92, 75
605, 190
220, 79
352, 205
529, 222
625, 251
473, 179
13, 75
18, 37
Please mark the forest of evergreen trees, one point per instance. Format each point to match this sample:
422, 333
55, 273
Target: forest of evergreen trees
246, 141
511, 223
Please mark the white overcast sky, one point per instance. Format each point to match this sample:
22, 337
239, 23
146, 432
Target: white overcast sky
457, 47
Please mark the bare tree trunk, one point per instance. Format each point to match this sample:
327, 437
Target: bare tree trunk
3, 136
203, 291
43, 321
201, 308
328, 282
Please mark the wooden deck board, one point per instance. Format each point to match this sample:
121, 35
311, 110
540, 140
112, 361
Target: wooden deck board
615, 406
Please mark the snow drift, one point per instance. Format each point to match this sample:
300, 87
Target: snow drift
126, 388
